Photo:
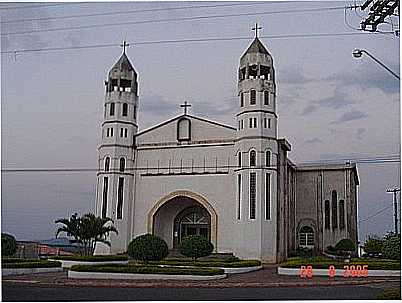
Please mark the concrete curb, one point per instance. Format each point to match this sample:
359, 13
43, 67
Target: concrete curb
69, 263
126, 276
338, 272
227, 270
27, 271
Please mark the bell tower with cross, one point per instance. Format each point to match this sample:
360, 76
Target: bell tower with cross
257, 147
116, 152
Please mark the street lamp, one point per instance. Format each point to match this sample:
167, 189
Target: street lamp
358, 53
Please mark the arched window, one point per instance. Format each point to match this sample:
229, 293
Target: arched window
334, 207
253, 97
107, 164
268, 158
184, 129
125, 109
266, 97
252, 158
239, 159
111, 112
120, 199
122, 164
341, 214
306, 237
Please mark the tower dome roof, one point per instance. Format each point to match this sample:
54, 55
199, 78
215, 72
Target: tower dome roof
123, 64
256, 47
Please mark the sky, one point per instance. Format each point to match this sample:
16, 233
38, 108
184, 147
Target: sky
330, 105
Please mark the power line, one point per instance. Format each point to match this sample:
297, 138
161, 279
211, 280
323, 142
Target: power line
290, 36
175, 168
36, 6
171, 20
375, 214
126, 12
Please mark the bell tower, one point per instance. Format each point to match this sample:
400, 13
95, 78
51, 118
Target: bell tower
115, 178
256, 149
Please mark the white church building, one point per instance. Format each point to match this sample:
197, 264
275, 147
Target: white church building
233, 185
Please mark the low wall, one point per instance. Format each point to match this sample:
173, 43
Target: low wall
127, 276
339, 272
69, 263
26, 271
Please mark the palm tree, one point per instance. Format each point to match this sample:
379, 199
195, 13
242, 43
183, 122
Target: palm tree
87, 231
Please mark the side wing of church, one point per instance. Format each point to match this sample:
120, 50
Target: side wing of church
233, 185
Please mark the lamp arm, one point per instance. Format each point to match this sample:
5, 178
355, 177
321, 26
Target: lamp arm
380, 63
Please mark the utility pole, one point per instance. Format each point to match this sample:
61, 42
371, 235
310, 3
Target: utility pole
395, 192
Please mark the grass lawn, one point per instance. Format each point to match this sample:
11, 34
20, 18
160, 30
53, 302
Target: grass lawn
324, 263
100, 258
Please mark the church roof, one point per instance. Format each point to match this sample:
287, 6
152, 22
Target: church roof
123, 63
256, 47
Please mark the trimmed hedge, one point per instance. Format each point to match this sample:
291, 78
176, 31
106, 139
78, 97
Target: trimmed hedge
196, 246
188, 259
324, 263
237, 264
32, 264
148, 248
147, 269
92, 258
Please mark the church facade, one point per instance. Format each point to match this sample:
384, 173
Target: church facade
234, 185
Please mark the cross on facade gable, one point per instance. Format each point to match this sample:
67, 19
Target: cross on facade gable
256, 28
124, 45
185, 105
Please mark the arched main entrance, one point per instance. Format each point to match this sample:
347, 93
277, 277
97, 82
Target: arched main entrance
180, 214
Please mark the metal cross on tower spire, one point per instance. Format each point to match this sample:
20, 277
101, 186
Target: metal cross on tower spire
124, 45
256, 28
185, 105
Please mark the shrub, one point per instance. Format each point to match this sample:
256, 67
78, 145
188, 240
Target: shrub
148, 248
8, 245
373, 245
303, 252
391, 248
196, 246
32, 264
345, 245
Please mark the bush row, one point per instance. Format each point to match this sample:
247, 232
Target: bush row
237, 264
100, 258
33, 264
147, 269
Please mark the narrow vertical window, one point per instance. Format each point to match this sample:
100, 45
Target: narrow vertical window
250, 122
252, 158
253, 97
242, 124
241, 99
121, 132
122, 164
334, 210
135, 112
265, 122
107, 164
252, 195
341, 214
107, 132
267, 196
120, 199
111, 112
326, 214
255, 122
125, 109
269, 123
125, 133
238, 196
111, 132
266, 98
239, 126
104, 203
268, 158
239, 159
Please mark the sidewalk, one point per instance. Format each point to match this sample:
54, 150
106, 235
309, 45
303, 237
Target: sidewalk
267, 277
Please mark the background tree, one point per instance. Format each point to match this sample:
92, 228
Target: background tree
8, 245
391, 248
373, 245
196, 246
87, 231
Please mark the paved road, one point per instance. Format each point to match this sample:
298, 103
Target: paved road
18, 292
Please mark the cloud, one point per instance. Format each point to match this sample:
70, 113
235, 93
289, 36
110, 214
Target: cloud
157, 105
360, 132
340, 99
369, 75
314, 141
308, 110
292, 75
351, 116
